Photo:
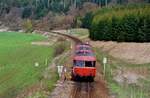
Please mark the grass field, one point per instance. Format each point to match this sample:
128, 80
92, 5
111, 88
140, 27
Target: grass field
17, 62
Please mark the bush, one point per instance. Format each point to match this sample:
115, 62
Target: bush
86, 21
27, 25
60, 48
129, 23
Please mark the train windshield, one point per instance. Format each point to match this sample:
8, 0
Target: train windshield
89, 63
79, 63
84, 63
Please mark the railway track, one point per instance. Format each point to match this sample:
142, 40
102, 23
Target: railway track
59, 32
76, 40
82, 90
85, 89
88, 90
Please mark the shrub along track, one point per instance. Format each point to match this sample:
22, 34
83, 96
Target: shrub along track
96, 89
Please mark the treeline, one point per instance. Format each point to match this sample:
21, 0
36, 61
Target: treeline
39, 8
129, 23
51, 14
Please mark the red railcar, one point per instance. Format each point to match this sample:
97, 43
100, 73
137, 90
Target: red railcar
84, 63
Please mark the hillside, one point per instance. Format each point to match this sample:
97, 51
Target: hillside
49, 14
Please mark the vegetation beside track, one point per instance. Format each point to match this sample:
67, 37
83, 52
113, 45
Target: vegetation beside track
61, 46
17, 62
80, 32
125, 90
50, 75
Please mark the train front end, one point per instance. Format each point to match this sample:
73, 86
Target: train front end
84, 63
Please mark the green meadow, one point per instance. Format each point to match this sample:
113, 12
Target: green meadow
17, 62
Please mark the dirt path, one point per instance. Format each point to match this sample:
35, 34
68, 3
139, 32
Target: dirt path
71, 89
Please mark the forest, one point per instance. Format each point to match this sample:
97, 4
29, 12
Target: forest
39, 8
51, 14
121, 23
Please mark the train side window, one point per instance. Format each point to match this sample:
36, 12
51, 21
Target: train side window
88, 64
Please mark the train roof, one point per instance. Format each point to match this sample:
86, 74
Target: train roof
83, 45
83, 48
86, 51
85, 58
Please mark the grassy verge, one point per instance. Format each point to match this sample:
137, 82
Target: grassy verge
124, 90
17, 62
50, 76
79, 32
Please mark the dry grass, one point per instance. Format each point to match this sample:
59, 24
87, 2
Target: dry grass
137, 53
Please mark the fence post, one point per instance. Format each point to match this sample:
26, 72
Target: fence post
104, 64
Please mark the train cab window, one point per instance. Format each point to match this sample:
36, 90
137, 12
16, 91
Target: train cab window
79, 63
90, 64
